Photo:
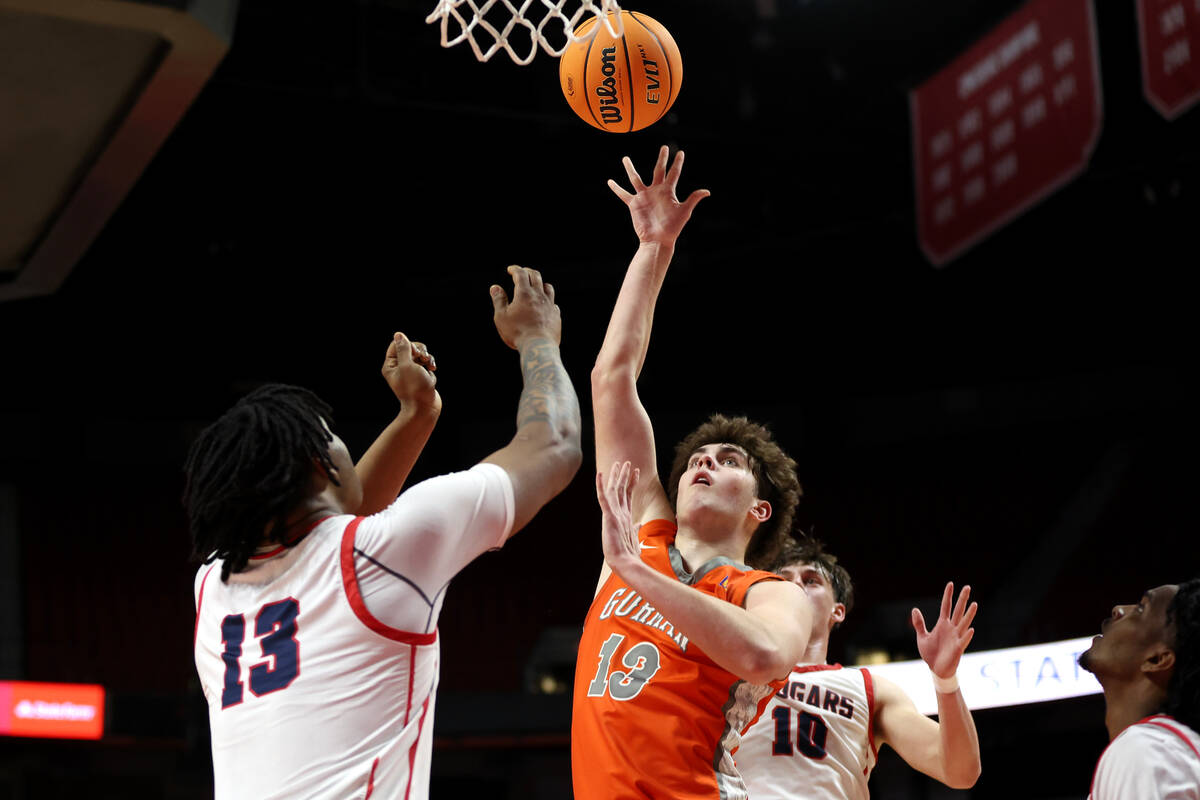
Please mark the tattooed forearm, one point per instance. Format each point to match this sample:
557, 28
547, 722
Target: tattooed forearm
548, 395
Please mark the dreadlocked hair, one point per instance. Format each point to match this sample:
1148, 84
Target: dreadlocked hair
811, 550
774, 471
1183, 690
250, 468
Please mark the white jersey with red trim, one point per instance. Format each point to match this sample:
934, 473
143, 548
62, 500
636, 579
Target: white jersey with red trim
320, 661
1157, 758
815, 739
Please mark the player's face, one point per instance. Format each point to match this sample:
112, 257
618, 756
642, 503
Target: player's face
350, 492
1130, 634
717, 478
815, 583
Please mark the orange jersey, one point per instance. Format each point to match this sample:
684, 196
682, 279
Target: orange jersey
653, 716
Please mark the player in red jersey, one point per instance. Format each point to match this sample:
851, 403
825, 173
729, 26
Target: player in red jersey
683, 640
820, 734
316, 635
1147, 659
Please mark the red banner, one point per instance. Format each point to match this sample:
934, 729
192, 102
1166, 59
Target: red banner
51, 710
1169, 31
1005, 124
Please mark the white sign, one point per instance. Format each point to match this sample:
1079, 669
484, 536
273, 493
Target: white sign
1009, 677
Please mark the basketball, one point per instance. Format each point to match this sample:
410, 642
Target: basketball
622, 83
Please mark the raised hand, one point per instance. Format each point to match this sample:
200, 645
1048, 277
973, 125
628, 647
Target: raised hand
618, 533
409, 369
531, 312
656, 213
942, 647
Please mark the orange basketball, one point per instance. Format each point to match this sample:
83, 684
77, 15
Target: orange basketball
625, 83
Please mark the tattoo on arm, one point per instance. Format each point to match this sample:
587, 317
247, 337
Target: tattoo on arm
548, 395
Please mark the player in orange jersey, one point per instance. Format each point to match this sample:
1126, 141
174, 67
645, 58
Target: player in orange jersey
683, 640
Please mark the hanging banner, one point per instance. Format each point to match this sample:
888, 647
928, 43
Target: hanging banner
1169, 33
1005, 124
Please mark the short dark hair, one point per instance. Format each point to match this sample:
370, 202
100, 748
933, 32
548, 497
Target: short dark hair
774, 471
1183, 690
810, 550
249, 469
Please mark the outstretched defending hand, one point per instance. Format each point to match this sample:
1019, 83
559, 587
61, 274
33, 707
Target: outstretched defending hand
409, 368
944, 645
532, 311
658, 217
618, 534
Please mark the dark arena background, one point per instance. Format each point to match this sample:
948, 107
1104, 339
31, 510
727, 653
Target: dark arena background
1020, 417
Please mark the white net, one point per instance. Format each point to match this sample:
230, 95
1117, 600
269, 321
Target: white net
519, 28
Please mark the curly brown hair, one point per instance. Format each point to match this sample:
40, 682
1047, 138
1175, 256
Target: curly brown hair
810, 550
774, 471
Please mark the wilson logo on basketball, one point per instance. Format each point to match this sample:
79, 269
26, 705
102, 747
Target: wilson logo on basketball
570, 86
610, 113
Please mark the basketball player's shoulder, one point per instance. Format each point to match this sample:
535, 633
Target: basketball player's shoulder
733, 580
1163, 731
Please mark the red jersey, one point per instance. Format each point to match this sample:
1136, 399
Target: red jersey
653, 716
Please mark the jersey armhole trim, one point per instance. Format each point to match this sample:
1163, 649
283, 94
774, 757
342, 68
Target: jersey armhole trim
359, 607
199, 602
869, 685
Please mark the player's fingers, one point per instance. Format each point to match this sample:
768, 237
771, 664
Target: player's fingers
960, 605
969, 617
600, 495
499, 300
535, 281
549, 289
660, 165
423, 357
625, 196
613, 477
918, 622
637, 474
675, 170
947, 596
967, 639
520, 277
635, 180
623, 484
402, 346
694, 199
390, 356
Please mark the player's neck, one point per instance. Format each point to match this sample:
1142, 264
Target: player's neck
817, 651
1125, 704
696, 550
302, 519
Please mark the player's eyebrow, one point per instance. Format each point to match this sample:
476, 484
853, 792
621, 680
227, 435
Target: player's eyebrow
721, 449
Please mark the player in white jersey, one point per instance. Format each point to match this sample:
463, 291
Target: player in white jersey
820, 734
316, 626
1147, 660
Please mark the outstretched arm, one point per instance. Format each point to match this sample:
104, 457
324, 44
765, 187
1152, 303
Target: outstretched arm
759, 643
545, 453
948, 749
409, 369
623, 430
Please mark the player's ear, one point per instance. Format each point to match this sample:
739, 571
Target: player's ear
761, 511
838, 615
1159, 663
319, 477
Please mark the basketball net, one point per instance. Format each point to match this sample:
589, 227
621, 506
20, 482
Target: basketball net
489, 24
